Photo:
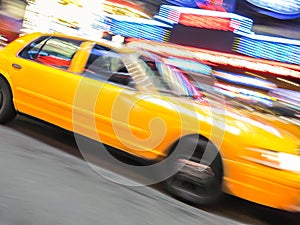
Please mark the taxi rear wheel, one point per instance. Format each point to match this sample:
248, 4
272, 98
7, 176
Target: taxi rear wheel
7, 110
199, 180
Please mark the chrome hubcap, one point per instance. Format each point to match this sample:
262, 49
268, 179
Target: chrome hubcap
193, 179
195, 170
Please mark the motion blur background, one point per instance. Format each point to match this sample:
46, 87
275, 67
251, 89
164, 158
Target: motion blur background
257, 25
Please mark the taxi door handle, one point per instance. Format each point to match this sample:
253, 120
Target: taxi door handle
16, 66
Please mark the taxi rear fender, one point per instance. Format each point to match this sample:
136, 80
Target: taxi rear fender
3, 69
9, 83
8, 80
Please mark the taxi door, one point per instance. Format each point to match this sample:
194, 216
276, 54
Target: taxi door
45, 79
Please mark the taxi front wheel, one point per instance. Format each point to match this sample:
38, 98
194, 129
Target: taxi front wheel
199, 180
7, 110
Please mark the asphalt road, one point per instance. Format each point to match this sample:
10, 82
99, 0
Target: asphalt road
41, 184
44, 180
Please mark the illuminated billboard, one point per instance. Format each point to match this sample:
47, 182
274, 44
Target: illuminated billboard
217, 5
281, 9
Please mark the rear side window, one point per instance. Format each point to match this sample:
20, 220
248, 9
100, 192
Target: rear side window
107, 65
51, 51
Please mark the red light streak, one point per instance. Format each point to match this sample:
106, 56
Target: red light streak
208, 22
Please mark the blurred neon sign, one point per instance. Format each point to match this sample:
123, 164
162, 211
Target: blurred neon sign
189, 65
245, 80
245, 94
280, 6
278, 49
208, 22
280, 9
260, 65
208, 19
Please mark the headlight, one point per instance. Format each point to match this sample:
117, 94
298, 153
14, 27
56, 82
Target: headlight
278, 160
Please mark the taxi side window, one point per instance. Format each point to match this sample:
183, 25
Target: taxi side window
51, 51
106, 65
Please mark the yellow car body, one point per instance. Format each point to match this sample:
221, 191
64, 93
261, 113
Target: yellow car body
146, 123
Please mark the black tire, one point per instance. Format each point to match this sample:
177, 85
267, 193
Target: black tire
200, 187
7, 109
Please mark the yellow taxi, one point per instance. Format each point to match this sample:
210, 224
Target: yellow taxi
134, 102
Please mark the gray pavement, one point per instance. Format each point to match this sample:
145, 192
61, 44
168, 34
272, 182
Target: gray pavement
39, 184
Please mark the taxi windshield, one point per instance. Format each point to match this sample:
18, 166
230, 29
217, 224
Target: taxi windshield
168, 79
